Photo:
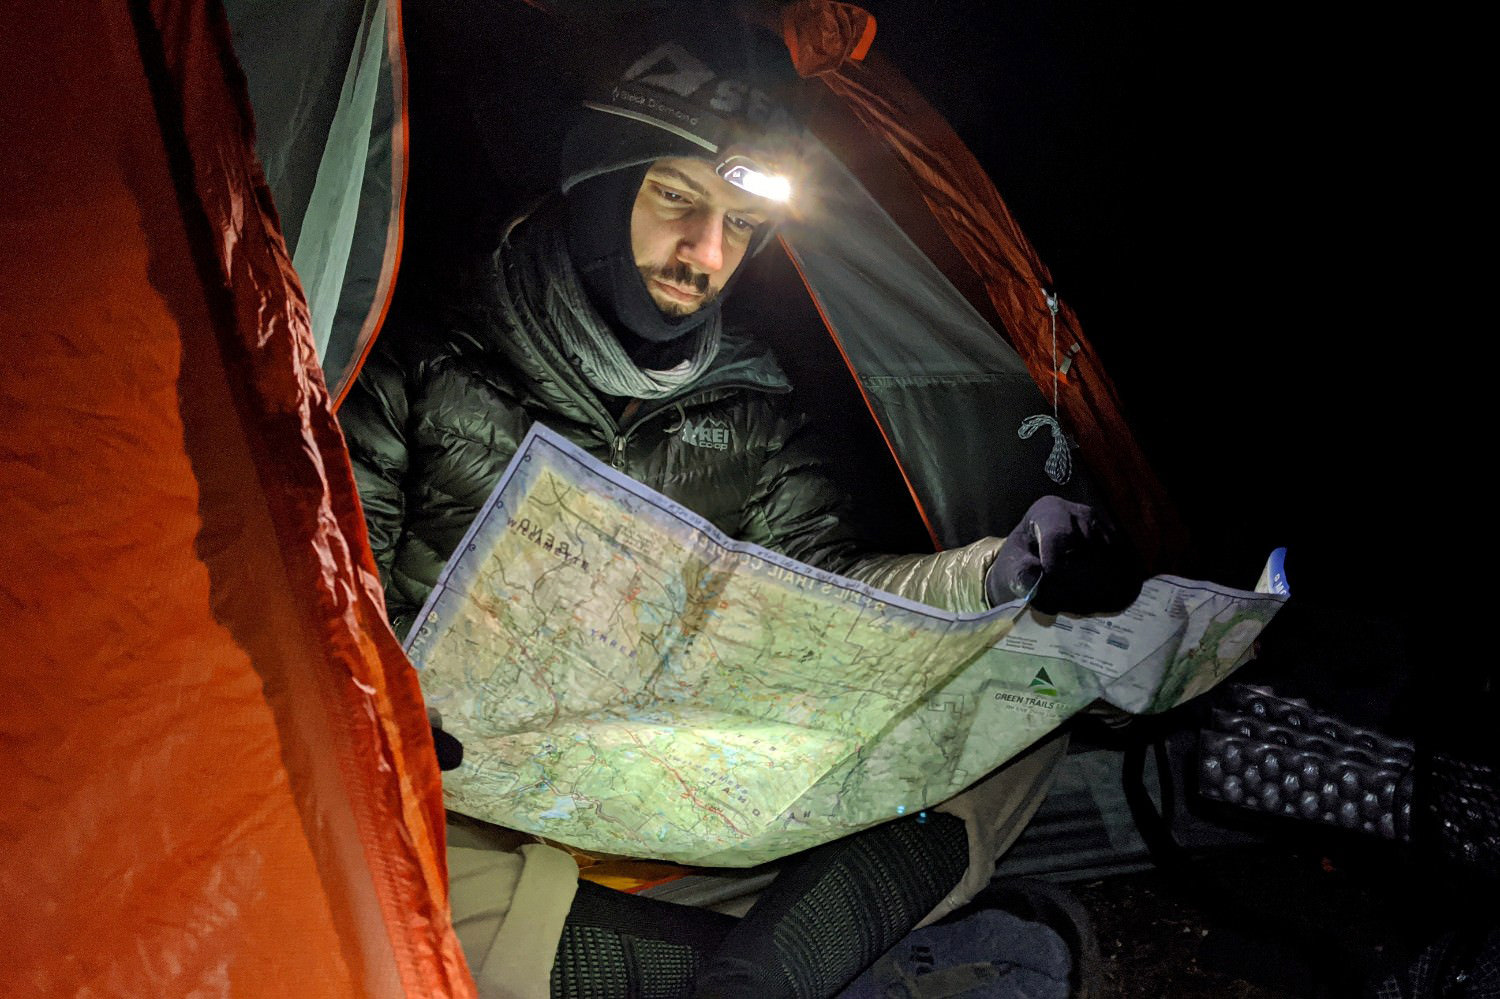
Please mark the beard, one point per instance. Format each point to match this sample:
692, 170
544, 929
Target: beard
679, 274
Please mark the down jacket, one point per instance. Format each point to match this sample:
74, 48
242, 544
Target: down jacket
436, 415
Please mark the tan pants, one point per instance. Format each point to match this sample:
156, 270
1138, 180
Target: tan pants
509, 902
996, 811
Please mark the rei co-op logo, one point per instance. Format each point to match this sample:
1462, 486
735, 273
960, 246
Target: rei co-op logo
708, 433
674, 69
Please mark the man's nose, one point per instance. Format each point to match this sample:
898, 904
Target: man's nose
703, 244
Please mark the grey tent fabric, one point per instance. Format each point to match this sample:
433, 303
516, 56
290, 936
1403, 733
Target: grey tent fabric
325, 82
946, 388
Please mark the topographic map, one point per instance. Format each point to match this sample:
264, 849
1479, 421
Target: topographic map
628, 680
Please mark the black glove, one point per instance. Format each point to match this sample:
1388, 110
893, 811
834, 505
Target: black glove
1070, 553
450, 752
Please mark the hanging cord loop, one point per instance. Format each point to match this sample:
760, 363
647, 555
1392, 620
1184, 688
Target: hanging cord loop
1059, 465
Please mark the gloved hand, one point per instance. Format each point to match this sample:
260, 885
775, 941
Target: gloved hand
450, 752
1070, 553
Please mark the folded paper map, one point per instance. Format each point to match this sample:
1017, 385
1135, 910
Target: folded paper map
627, 679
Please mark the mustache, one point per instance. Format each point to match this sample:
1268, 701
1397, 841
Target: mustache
680, 274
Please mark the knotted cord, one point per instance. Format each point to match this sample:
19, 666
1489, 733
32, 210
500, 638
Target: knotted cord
1059, 465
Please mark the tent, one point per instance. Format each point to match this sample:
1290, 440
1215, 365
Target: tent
221, 781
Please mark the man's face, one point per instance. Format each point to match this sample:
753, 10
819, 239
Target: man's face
689, 230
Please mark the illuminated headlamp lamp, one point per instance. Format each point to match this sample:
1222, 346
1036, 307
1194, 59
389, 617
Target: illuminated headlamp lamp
750, 176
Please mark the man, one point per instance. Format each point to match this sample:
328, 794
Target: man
599, 314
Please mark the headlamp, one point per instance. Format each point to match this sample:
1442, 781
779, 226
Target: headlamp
750, 176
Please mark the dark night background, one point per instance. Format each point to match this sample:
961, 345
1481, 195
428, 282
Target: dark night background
1220, 194
1193, 204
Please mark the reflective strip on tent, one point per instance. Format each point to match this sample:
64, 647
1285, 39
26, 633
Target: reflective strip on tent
219, 777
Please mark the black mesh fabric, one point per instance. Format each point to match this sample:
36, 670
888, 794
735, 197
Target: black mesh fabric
834, 911
620, 946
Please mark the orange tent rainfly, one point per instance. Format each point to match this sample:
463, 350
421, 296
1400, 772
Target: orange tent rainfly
219, 778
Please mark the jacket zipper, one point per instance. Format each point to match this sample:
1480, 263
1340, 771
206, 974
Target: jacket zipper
622, 434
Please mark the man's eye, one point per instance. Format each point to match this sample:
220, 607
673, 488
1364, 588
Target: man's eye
667, 194
743, 226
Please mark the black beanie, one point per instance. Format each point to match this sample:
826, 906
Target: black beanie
669, 93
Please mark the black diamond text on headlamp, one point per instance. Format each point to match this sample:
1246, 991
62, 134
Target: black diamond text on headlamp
747, 175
